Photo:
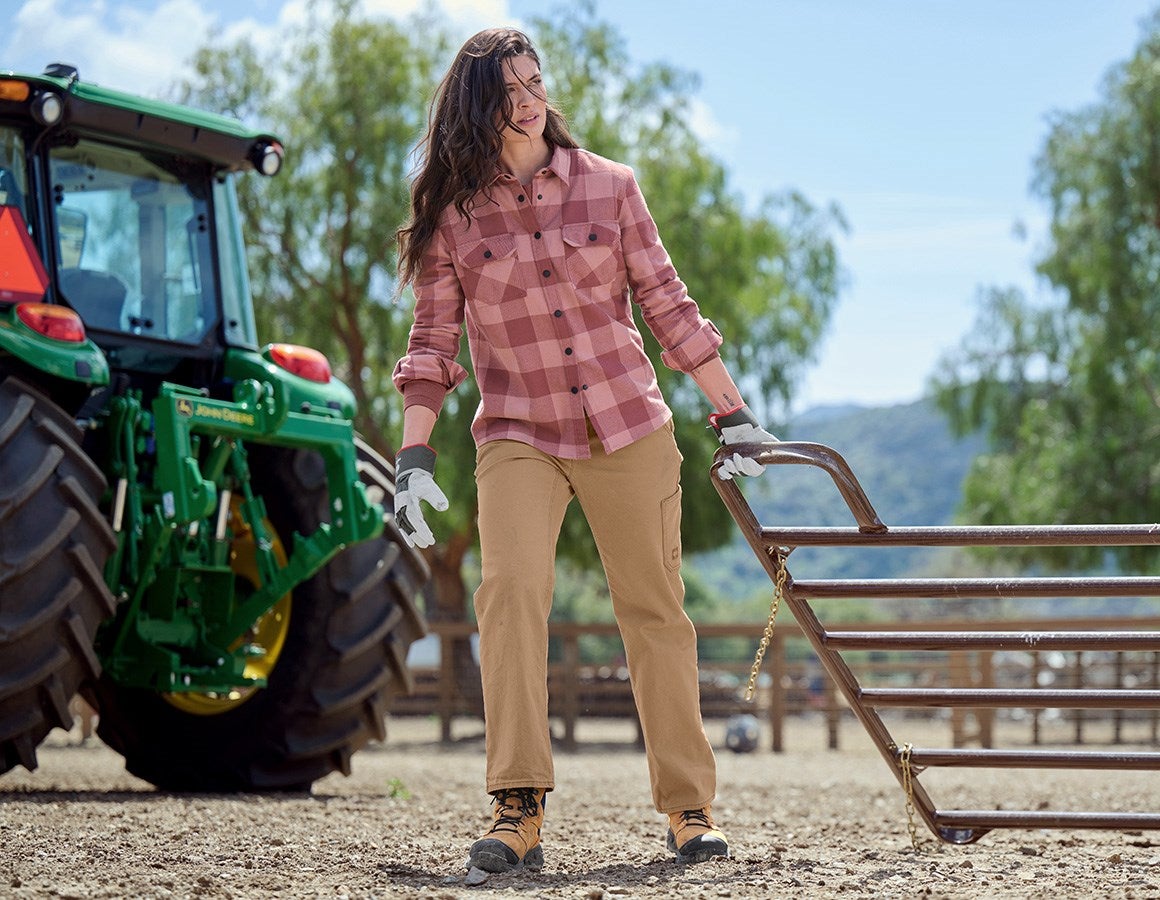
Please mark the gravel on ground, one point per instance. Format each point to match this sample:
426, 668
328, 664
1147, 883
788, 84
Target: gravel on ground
808, 822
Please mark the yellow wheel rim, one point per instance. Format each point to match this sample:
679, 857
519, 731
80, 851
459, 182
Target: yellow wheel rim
268, 632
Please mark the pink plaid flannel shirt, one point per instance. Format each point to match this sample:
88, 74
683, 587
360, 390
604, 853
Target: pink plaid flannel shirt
542, 276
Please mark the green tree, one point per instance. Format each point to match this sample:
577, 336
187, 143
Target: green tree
1069, 392
351, 95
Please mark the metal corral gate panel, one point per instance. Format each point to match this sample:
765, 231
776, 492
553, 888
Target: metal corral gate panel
961, 826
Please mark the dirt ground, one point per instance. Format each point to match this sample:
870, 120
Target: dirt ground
808, 822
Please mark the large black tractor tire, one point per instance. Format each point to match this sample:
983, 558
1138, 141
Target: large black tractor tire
344, 654
53, 546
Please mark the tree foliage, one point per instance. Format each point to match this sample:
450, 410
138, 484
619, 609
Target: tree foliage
1069, 393
347, 93
350, 94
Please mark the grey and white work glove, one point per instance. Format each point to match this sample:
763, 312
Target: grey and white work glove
415, 481
739, 426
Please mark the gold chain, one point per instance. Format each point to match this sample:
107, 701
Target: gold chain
908, 788
767, 635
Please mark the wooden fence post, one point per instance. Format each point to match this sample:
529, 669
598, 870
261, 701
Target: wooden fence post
1077, 683
446, 686
960, 673
570, 693
1036, 714
777, 692
833, 711
986, 717
1118, 714
1155, 714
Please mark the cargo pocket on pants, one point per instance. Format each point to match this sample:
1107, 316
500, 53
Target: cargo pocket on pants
671, 530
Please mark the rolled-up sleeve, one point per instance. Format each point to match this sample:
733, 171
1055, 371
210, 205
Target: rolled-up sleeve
429, 371
688, 339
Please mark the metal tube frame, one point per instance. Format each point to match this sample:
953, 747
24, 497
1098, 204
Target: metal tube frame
959, 826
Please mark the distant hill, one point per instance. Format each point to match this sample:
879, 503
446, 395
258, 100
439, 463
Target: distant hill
910, 466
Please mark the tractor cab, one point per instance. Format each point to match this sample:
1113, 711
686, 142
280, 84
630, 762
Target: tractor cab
133, 215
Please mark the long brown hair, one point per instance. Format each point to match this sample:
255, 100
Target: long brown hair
461, 149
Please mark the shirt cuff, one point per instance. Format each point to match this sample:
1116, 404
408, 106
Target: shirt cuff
430, 394
695, 350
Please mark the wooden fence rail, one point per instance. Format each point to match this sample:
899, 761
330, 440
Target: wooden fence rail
794, 683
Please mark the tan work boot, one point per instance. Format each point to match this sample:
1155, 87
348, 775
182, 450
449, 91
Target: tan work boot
513, 842
693, 836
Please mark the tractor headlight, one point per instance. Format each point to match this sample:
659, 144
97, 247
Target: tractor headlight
47, 108
266, 157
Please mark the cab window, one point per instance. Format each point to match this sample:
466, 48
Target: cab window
133, 241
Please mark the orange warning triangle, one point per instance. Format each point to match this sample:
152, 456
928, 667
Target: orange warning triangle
22, 275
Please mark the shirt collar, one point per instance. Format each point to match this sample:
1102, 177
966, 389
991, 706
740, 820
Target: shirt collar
560, 165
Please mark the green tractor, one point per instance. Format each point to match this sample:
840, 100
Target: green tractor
192, 535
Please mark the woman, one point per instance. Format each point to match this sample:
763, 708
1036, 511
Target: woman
537, 245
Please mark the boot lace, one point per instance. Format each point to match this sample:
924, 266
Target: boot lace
695, 817
513, 804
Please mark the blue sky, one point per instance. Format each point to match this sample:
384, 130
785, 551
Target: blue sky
919, 118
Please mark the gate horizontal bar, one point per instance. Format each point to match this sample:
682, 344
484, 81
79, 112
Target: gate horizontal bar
1036, 698
1034, 759
986, 819
966, 536
993, 640
977, 588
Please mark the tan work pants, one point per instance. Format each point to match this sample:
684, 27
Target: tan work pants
632, 501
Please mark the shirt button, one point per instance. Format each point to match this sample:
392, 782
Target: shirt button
547, 273
584, 387
592, 237
539, 196
558, 313
575, 390
520, 198
567, 351
487, 254
536, 235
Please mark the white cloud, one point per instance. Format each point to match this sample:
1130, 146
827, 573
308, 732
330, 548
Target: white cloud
118, 45
145, 47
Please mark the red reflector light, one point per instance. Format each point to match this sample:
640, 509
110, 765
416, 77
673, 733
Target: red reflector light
57, 322
305, 362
